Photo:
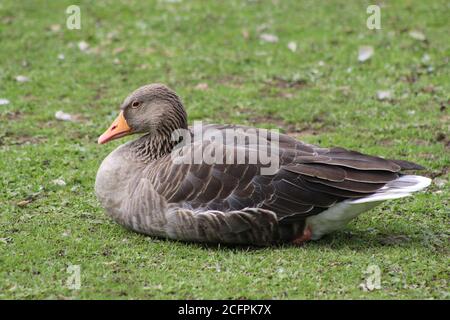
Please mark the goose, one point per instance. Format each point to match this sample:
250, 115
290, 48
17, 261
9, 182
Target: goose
154, 186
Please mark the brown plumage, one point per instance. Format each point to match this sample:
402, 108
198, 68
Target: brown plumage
314, 191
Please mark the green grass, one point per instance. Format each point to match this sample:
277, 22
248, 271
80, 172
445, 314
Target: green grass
250, 82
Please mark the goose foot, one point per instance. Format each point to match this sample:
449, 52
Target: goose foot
306, 236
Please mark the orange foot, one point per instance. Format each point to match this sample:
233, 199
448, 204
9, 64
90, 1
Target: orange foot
306, 236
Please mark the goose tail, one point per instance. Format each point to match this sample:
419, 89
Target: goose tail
402, 187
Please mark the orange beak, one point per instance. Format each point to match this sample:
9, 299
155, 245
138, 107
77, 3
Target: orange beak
119, 128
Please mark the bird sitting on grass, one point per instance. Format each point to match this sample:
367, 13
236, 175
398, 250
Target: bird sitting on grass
152, 186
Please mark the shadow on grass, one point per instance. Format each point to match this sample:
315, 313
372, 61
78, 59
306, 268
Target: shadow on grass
353, 240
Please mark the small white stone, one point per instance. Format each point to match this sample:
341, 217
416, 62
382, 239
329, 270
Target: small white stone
22, 79
267, 37
292, 45
61, 56
60, 115
202, 86
59, 182
83, 45
417, 35
365, 53
3, 102
384, 95
426, 58
55, 27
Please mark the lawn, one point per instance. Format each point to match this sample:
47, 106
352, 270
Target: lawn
224, 61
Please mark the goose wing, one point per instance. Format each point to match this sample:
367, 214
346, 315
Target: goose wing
309, 179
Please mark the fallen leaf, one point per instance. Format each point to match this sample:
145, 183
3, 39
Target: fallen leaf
365, 53
59, 182
23, 203
267, 37
345, 90
426, 58
83, 45
262, 27
202, 86
384, 95
60, 115
3, 102
55, 27
112, 35
118, 50
417, 35
245, 34
292, 46
22, 79
429, 89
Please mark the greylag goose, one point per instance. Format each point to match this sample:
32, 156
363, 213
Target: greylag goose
154, 186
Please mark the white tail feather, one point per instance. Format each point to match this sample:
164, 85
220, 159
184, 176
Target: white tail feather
337, 216
399, 188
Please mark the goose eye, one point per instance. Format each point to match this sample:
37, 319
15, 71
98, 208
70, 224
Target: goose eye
135, 104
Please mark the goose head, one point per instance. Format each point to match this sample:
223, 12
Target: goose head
152, 109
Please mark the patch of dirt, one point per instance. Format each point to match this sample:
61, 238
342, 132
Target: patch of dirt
386, 142
99, 93
30, 97
395, 239
315, 128
410, 78
30, 198
439, 173
230, 81
429, 89
12, 115
283, 83
8, 20
282, 87
10, 139
444, 139
445, 118
420, 142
